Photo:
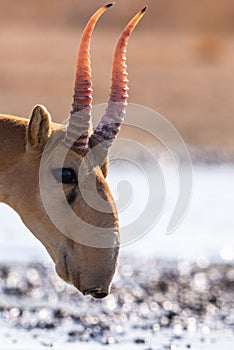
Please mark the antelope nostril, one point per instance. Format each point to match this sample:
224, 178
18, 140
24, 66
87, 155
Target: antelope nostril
100, 295
96, 293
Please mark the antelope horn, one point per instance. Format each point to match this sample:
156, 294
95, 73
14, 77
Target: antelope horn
109, 126
77, 134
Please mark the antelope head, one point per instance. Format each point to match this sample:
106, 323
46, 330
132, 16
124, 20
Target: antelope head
77, 217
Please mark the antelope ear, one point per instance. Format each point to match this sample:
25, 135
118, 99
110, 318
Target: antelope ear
39, 129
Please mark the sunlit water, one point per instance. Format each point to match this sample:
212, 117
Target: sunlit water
207, 229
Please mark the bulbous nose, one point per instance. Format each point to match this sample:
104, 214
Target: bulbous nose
96, 293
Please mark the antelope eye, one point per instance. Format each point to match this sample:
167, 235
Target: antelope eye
65, 175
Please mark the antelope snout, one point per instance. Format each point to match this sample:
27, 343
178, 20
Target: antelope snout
88, 269
97, 286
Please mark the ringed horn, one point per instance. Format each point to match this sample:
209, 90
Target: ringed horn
77, 134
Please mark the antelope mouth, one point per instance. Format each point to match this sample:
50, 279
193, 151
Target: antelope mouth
62, 269
66, 270
68, 275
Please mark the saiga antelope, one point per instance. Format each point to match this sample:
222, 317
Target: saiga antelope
88, 267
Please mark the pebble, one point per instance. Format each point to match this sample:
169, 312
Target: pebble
140, 341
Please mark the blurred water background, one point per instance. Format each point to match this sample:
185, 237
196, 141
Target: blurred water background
207, 229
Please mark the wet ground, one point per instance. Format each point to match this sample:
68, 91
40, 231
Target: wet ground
153, 305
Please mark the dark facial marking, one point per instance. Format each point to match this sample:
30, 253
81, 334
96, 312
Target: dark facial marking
71, 196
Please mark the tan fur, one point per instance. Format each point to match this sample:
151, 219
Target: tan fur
21, 146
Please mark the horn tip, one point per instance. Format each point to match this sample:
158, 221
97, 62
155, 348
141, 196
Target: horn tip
144, 9
109, 5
